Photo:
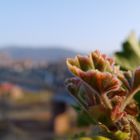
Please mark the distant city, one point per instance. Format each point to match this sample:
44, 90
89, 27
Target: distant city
35, 69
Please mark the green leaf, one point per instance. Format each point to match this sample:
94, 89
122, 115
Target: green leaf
119, 135
94, 138
129, 57
85, 138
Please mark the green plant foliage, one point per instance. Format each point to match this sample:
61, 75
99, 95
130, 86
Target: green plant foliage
82, 119
95, 138
121, 135
129, 57
106, 94
85, 138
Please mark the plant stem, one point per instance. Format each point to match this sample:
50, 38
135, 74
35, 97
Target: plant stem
128, 99
106, 101
135, 125
103, 96
85, 110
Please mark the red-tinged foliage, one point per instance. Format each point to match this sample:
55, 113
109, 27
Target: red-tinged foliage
105, 91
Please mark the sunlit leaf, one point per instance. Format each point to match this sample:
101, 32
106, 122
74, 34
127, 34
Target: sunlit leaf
129, 57
95, 61
102, 82
106, 92
119, 135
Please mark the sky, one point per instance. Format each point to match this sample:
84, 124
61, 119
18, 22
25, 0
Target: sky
82, 25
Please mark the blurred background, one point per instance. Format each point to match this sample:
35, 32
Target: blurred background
36, 37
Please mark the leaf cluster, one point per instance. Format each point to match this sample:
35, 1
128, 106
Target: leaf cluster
106, 94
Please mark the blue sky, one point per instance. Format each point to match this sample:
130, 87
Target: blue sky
83, 25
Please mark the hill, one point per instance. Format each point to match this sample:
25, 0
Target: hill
38, 54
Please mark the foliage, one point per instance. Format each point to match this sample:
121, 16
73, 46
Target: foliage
129, 57
95, 138
106, 94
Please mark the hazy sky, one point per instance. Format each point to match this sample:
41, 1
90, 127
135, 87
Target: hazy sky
83, 25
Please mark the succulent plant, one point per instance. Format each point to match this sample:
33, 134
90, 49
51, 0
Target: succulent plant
106, 94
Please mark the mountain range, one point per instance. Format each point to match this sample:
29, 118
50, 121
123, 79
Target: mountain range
38, 54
